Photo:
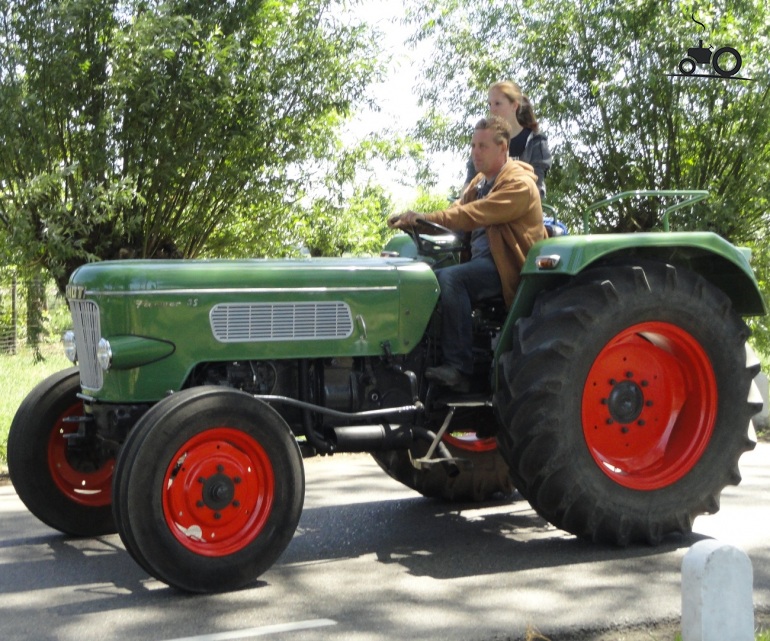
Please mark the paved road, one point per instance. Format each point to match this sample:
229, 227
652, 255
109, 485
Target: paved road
373, 561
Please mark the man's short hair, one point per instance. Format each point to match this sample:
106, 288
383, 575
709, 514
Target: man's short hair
501, 129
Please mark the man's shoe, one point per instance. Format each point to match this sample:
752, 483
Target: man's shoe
450, 377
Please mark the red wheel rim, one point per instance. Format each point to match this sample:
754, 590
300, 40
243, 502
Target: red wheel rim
218, 492
469, 442
649, 406
79, 480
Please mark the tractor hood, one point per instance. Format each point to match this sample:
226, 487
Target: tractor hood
222, 310
134, 276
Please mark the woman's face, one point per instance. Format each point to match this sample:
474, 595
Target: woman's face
499, 105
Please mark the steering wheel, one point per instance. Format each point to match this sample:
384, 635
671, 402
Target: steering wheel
427, 246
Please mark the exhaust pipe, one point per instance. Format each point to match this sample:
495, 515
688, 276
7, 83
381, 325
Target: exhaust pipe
371, 438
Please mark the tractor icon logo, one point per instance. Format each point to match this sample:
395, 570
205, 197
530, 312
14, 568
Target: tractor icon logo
725, 61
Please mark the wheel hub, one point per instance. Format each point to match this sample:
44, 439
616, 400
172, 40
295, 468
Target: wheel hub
625, 402
218, 491
649, 405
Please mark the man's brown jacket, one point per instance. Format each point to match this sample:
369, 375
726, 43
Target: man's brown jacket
512, 214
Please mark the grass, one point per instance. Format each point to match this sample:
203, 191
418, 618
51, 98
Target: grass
18, 375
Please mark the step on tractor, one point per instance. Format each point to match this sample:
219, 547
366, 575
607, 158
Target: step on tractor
614, 395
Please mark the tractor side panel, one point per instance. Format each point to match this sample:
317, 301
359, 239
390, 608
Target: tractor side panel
213, 311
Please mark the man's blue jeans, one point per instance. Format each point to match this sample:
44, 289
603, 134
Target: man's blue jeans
461, 287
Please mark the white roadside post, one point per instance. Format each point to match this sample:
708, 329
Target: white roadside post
762, 419
717, 585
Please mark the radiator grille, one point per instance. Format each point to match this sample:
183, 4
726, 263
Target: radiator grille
256, 322
85, 318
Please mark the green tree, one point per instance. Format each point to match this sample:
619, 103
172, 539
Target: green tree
143, 127
426, 201
599, 73
339, 209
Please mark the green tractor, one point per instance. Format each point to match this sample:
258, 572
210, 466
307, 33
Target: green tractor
613, 395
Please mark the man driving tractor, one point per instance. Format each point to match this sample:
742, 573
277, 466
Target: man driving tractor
501, 208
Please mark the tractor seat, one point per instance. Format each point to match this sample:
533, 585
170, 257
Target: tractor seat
554, 227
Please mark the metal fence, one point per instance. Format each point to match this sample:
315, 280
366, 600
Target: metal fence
9, 312
25, 310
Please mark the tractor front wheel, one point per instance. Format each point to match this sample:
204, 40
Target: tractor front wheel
57, 466
208, 489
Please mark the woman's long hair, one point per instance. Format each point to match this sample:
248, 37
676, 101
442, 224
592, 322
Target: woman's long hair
525, 114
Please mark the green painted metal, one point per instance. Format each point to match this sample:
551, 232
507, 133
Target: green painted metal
134, 351
390, 302
550, 210
705, 253
159, 315
400, 245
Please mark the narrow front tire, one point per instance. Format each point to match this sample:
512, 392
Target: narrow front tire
209, 489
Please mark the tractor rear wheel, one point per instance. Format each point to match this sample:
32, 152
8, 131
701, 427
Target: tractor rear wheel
625, 404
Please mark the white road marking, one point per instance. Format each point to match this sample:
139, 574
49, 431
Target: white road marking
261, 631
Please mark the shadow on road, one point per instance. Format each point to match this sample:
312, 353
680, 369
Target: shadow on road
447, 541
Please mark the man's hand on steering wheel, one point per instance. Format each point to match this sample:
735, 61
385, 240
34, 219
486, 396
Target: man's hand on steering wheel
406, 220
420, 230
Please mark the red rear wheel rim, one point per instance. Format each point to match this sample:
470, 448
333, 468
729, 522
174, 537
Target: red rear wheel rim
469, 442
218, 492
78, 478
649, 405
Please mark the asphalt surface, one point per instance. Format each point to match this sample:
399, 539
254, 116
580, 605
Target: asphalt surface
372, 561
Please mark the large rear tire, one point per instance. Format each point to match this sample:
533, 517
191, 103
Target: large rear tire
66, 487
625, 404
208, 489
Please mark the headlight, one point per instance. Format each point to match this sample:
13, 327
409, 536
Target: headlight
70, 349
104, 354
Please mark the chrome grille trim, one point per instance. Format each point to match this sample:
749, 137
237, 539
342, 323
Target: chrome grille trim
263, 322
241, 290
85, 318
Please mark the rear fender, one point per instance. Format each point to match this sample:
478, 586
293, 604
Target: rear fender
553, 262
